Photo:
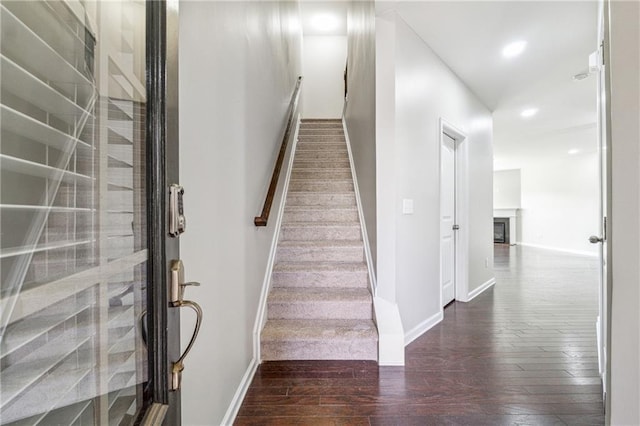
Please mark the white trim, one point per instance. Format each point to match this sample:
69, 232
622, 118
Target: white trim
261, 315
462, 208
558, 249
241, 392
423, 327
475, 293
365, 237
390, 332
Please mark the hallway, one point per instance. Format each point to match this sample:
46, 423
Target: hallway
523, 352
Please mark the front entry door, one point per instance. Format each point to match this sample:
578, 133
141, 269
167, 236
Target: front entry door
448, 218
87, 336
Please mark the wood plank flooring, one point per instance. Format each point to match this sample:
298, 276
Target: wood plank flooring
521, 353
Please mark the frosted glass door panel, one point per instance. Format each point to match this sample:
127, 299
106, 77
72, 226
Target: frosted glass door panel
73, 243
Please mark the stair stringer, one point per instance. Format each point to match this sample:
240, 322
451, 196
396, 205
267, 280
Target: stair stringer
386, 314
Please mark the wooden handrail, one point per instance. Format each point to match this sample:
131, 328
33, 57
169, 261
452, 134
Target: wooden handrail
264, 216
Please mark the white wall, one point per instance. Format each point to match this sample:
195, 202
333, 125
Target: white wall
238, 65
408, 167
625, 220
323, 62
560, 201
360, 112
506, 189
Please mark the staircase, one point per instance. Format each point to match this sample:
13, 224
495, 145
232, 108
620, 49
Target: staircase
320, 306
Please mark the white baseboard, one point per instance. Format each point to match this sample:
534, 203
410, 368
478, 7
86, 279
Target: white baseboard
241, 392
473, 294
560, 250
423, 327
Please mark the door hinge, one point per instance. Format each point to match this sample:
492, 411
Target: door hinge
455, 227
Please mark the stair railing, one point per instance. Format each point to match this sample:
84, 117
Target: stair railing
266, 209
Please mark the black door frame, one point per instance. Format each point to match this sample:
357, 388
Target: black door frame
162, 170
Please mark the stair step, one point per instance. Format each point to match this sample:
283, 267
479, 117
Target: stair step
321, 185
319, 340
321, 120
336, 163
319, 139
319, 303
322, 174
320, 251
321, 146
307, 198
314, 214
325, 155
320, 274
293, 231
310, 131
321, 123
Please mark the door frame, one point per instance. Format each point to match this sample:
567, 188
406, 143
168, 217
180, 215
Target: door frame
162, 170
461, 285
604, 179
605, 159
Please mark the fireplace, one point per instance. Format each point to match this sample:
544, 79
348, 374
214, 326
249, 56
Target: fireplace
501, 230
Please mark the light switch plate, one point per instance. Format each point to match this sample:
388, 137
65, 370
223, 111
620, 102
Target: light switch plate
407, 206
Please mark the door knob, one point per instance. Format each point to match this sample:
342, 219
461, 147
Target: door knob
595, 240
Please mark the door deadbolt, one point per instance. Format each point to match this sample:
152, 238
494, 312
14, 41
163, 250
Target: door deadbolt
177, 221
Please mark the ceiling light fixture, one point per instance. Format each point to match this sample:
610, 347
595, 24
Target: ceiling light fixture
573, 151
512, 50
325, 22
529, 112
580, 76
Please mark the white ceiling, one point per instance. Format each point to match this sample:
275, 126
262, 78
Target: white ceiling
469, 37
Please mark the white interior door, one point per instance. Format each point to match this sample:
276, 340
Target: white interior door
601, 237
447, 218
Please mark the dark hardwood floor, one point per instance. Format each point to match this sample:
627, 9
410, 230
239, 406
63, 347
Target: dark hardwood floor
521, 353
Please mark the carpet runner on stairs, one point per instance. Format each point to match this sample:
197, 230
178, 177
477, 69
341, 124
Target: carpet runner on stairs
320, 306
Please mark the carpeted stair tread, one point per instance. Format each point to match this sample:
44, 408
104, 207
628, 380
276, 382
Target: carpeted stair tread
319, 295
308, 198
321, 231
319, 303
320, 274
313, 330
320, 266
331, 243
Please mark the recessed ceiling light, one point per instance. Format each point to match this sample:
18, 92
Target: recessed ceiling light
580, 76
573, 151
325, 22
514, 49
529, 112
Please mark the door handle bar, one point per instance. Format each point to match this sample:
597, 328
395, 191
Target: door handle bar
178, 366
176, 294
